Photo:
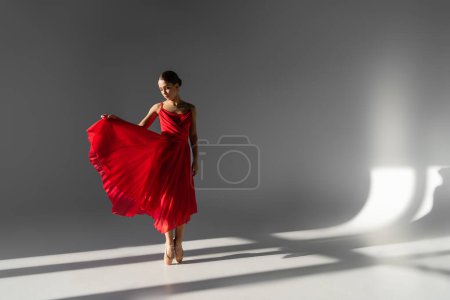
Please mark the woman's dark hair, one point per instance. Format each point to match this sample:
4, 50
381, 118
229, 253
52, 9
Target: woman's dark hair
170, 76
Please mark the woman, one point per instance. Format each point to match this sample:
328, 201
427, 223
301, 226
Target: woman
146, 172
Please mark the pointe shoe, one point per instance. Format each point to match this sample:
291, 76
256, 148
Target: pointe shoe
179, 252
169, 258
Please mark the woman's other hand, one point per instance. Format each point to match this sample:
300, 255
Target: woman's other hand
194, 168
109, 116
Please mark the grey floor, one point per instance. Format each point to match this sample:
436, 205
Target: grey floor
103, 256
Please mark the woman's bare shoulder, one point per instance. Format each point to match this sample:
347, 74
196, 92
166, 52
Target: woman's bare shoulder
155, 107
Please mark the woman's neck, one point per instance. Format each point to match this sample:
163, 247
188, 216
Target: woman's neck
176, 102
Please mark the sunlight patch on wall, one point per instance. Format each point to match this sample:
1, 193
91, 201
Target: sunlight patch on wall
390, 195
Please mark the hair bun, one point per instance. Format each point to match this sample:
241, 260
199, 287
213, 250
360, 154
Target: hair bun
170, 76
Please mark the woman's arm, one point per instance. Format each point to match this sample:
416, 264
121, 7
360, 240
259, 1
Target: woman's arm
193, 139
150, 117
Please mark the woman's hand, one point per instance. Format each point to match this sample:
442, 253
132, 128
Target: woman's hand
194, 167
109, 116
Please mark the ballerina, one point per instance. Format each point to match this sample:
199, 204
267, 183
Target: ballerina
160, 183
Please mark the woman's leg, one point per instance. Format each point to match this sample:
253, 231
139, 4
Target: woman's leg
179, 234
169, 247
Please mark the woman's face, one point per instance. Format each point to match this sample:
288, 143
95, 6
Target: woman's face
168, 90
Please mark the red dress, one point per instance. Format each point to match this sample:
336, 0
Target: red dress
144, 172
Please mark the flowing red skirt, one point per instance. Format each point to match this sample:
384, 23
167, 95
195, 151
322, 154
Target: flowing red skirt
143, 172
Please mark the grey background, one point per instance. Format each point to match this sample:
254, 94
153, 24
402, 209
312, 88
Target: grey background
326, 89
